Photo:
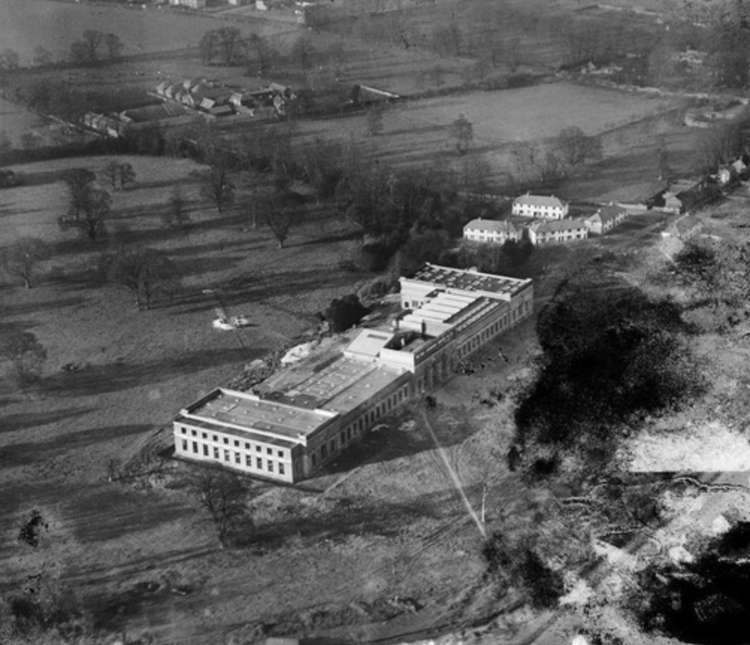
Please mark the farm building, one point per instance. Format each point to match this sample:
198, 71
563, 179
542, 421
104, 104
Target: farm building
558, 232
605, 219
302, 416
491, 230
192, 4
544, 206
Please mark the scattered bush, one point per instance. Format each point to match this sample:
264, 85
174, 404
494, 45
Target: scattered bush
31, 529
344, 312
525, 569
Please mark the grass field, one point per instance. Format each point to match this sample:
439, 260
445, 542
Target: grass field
416, 133
139, 367
55, 25
304, 572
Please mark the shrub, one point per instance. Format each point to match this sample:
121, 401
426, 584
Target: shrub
344, 312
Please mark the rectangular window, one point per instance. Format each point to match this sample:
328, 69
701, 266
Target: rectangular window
216, 438
269, 451
226, 440
247, 446
270, 466
216, 453
314, 459
259, 463
184, 445
280, 453
236, 443
226, 455
237, 458
248, 461
257, 448
281, 469
205, 449
193, 432
195, 447
204, 435
323, 451
183, 430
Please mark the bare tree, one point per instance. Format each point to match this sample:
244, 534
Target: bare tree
20, 258
719, 145
176, 214
146, 272
114, 46
207, 46
111, 173
25, 354
78, 181
217, 186
280, 218
127, 174
92, 38
95, 211
302, 52
462, 133
222, 494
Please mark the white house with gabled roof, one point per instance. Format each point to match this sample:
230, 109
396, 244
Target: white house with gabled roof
491, 231
543, 206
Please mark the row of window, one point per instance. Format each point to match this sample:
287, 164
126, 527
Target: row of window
495, 328
235, 442
354, 429
252, 462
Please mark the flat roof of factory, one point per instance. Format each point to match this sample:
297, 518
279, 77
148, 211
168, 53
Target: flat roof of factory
253, 413
469, 280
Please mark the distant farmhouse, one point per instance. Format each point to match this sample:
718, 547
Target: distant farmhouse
490, 230
558, 231
303, 416
192, 4
544, 206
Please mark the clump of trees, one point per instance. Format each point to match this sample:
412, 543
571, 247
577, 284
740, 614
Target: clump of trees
610, 356
119, 174
24, 356
20, 259
147, 273
91, 208
88, 48
228, 46
344, 313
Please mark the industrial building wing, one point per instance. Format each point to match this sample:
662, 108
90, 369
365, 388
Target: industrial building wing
303, 416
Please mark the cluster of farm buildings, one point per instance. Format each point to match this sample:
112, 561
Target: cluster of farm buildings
293, 423
185, 101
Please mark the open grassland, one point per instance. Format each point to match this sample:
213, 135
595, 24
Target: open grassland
417, 133
54, 25
137, 368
